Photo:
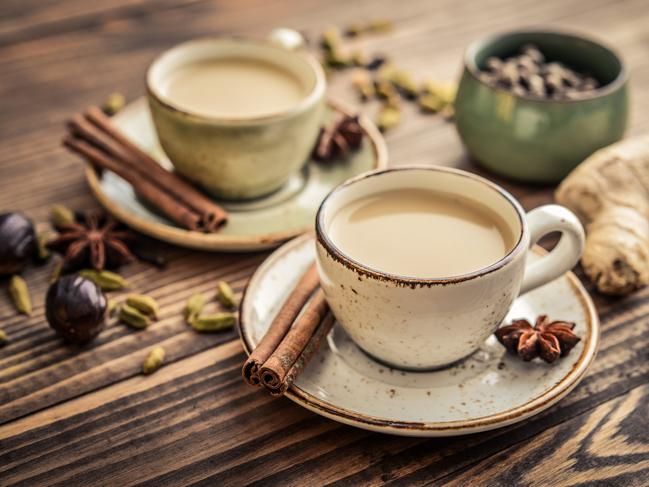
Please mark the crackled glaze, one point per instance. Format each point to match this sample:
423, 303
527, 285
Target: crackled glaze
488, 390
237, 158
253, 225
414, 323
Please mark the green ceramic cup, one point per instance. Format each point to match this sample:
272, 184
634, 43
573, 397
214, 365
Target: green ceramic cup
540, 140
238, 157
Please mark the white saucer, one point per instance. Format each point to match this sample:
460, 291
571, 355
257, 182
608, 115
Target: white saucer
253, 225
489, 390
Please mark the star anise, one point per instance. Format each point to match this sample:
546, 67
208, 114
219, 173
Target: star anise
548, 340
336, 141
350, 128
92, 240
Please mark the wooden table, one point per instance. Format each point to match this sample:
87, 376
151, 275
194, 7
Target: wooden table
87, 416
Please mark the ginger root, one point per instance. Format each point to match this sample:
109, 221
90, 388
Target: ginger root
609, 193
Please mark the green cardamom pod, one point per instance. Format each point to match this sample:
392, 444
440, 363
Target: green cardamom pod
42, 252
387, 73
430, 103
331, 38
113, 104
106, 280
444, 91
144, 304
56, 273
405, 82
226, 296
386, 90
214, 323
194, 306
60, 215
4, 339
388, 118
20, 295
132, 317
362, 82
335, 58
154, 360
112, 307
360, 59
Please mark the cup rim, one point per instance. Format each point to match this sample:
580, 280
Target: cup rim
360, 268
307, 102
472, 68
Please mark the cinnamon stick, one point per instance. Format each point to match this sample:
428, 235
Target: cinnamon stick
130, 153
306, 355
280, 325
83, 129
274, 372
167, 204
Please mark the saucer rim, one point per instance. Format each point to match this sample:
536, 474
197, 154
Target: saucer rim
216, 241
442, 428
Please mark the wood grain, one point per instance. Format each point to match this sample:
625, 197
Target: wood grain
86, 416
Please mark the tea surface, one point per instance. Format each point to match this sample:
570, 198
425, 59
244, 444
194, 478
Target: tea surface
420, 233
234, 88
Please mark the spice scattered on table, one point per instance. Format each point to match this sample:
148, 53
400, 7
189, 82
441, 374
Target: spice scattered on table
153, 360
20, 295
374, 77
112, 307
56, 271
226, 296
106, 280
388, 118
194, 307
42, 254
92, 240
133, 317
145, 304
17, 242
530, 74
61, 215
363, 84
138, 311
114, 103
336, 141
213, 323
76, 308
547, 340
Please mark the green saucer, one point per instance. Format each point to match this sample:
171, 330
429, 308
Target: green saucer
253, 225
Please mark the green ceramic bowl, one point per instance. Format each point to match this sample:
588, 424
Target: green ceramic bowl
540, 140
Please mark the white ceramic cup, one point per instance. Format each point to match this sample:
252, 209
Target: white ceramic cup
239, 157
416, 323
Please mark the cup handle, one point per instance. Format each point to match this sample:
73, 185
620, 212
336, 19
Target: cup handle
289, 39
541, 221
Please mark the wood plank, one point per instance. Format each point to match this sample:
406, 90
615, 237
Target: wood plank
39, 441
559, 452
44, 379
86, 416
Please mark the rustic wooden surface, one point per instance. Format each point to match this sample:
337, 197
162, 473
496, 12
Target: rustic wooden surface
86, 416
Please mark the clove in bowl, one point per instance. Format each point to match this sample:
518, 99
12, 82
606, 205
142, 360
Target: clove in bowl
534, 130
